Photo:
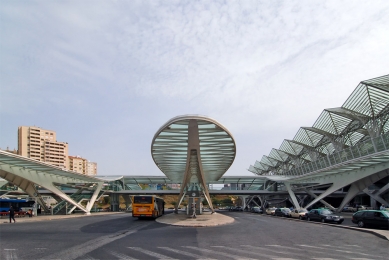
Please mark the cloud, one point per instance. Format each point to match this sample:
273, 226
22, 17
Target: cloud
262, 68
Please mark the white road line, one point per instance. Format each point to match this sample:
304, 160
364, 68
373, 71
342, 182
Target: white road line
271, 250
10, 254
150, 253
218, 253
361, 258
342, 251
284, 258
82, 249
299, 249
120, 256
323, 258
184, 253
244, 251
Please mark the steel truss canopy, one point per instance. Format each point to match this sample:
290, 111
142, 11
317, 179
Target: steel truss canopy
169, 148
31, 165
28, 174
363, 116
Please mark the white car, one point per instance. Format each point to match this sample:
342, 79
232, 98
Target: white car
270, 211
298, 213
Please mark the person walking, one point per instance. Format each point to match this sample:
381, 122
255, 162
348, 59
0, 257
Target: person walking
194, 210
11, 214
382, 207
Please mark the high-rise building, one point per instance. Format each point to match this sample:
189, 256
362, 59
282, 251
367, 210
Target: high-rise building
82, 165
91, 168
41, 145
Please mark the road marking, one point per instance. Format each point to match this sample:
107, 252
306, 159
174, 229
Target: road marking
121, 256
82, 249
342, 251
284, 258
244, 252
150, 253
184, 253
299, 249
323, 258
218, 253
10, 254
273, 251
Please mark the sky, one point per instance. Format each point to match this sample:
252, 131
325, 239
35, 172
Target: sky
106, 75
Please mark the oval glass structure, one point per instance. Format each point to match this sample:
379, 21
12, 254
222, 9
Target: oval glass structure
193, 145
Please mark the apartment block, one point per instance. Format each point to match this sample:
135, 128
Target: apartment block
91, 168
82, 165
41, 145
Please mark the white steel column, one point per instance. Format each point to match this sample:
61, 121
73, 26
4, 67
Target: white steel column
94, 197
359, 185
44, 179
341, 180
322, 201
375, 197
292, 195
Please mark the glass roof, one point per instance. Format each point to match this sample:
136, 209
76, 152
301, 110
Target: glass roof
43, 168
169, 148
364, 113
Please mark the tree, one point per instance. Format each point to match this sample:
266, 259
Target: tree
227, 202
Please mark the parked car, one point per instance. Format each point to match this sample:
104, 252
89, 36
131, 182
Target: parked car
356, 208
238, 208
324, 215
282, 212
256, 210
371, 218
298, 213
270, 211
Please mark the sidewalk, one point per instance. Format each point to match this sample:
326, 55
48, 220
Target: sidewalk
5, 220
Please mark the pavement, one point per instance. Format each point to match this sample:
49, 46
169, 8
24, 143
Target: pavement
181, 219
5, 220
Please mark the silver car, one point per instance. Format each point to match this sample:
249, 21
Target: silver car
298, 213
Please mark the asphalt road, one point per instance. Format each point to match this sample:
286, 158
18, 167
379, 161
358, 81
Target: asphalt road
251, 236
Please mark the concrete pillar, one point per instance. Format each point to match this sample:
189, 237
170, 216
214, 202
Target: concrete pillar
243, 198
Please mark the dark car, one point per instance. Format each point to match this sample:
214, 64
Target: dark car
238, 208
256, 210
324, 215
371, 218
282, 212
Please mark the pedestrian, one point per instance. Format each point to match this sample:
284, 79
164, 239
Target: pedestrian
382, 207
29, 212
194, 210
11, 214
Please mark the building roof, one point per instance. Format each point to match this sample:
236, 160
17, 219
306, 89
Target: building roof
169, 148
364, 115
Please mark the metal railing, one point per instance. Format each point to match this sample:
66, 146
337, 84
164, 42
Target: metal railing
369, 147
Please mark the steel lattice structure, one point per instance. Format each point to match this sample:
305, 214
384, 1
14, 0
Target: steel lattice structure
362, 117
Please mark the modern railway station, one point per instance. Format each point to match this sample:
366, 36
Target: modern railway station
343, 155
